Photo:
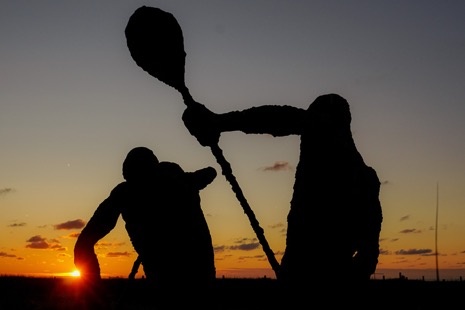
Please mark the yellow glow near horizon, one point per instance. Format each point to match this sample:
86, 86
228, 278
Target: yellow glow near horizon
75, 273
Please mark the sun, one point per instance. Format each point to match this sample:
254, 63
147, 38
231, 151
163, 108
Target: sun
75, 273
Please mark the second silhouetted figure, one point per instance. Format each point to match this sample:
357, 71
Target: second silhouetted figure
160, 204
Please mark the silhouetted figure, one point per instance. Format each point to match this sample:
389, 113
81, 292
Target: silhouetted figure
160, 204
335, 215
155, 41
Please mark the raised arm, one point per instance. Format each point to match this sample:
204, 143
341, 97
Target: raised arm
198, 179
268, 119
275, 120
202, 177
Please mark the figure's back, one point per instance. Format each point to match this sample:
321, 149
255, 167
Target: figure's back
335, 202
167, 227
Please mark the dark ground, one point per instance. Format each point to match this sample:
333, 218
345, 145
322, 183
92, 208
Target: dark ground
229, 294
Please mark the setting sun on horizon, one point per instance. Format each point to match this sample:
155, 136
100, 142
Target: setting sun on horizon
75, 273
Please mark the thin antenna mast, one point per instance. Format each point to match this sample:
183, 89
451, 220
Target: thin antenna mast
436, 231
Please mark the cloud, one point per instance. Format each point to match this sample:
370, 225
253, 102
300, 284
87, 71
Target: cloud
281, 228
257, 257
404, 218
278, 225
118, 254
36, 238
58, 247
219, 248
75, 224
410, 231
72, 235
245, 247
4, 254
39, 243
414, 252
17, 225
245, 244
384, 252
278, 166
6, 190
101, 245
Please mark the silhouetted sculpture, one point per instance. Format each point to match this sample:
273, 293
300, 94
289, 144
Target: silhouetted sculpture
335, 216
160, 204
156, 43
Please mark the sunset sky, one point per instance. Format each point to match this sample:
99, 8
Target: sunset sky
73, 103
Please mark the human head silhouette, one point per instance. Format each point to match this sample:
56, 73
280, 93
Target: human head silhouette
139, 164
332, 106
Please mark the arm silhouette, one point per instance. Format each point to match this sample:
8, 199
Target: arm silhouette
275, 120
102, 222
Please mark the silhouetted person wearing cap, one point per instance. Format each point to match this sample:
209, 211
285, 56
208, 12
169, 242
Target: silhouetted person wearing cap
160, 204
335, 214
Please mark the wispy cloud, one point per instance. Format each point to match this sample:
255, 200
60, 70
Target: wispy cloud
4, 254
414, 252
384, 252
410, 231
248, 257
101, 245
404, 218
72, 235
17, 225
277, 225
278, 166
118, 254
281, 228
244, 244
219, 248
75, 224
6, 190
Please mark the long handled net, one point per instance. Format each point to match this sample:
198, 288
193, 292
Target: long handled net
155, 41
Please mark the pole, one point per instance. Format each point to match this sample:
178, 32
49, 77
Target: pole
227, 172
436, 232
